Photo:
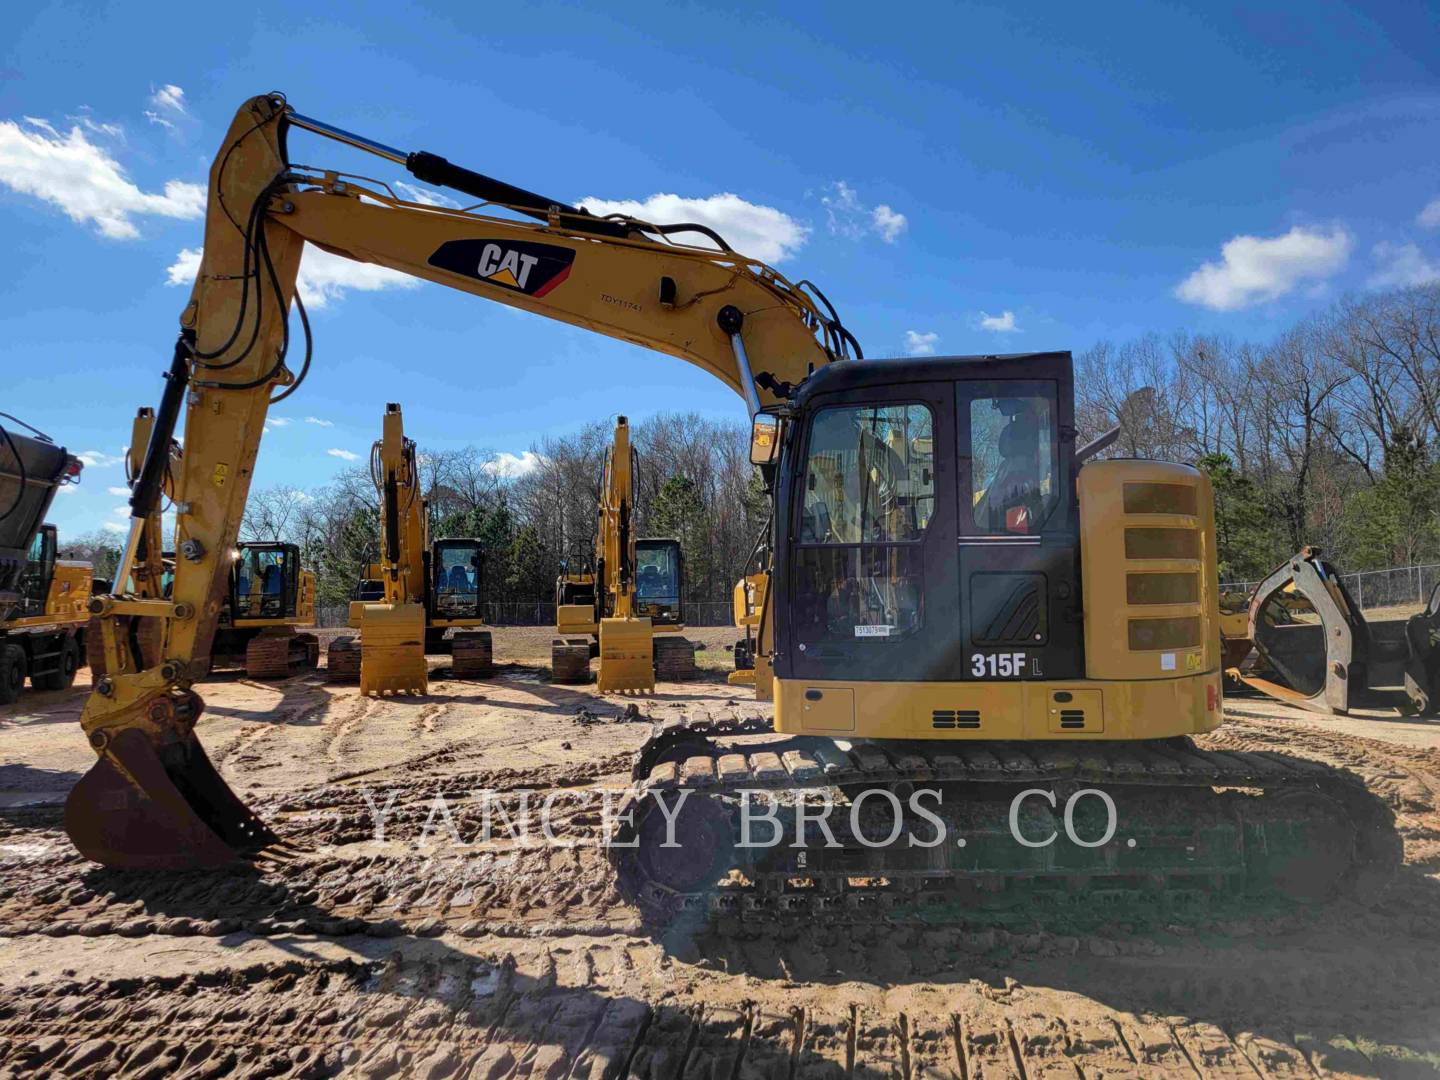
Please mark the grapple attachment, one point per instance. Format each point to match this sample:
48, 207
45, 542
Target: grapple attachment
154, 801
627, 656
1319, 652
392, 649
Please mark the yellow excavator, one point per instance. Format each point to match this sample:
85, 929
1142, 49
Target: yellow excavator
43, 598
627, 596
269, 599
961, 597
425, 589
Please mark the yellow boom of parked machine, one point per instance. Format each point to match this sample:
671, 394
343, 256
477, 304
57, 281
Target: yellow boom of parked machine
424, 589
960, 595
268, 599
631, 592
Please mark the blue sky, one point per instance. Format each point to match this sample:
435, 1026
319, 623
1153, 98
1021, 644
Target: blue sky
957, 178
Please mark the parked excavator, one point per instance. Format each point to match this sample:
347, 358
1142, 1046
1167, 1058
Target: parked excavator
962, 599
269, 598
43, 598
625, 606
425, 589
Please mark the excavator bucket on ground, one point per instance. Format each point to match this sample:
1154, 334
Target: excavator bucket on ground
1330, 659
153, 800
627, 656
392, 649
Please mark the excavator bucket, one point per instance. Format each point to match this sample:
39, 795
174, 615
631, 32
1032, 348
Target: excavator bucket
155, 802
392, 649
1321, 653
627, 656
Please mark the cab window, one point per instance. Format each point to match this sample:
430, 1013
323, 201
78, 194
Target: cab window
869, 475
1013, 482
657, 573
457, 579
260, 583
869, 496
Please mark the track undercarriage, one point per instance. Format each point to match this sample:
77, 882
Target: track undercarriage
1006, 823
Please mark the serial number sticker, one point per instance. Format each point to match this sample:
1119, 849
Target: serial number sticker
873, 631
1167, 661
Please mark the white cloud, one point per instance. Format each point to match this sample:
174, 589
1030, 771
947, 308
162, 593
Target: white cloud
1401, 266
98, 459
920, 344
888, 223
761, 232
510, 466
1429, 217
278, 421
318, 422
156, 118
122, 492
115, 527
83, 180
1004, 323
1254, 269
71, 489
343, 455
847, 216
170, 98
120, 511
424, 196
323, 277
95, 127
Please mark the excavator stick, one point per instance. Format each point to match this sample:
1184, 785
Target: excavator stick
392, 649
1331, 659
627, 656
153, 800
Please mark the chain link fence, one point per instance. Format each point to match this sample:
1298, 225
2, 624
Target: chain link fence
537, 613
1399, 586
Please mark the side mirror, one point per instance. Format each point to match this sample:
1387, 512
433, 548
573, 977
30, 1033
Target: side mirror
764, 439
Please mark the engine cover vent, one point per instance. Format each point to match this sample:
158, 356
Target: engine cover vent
955, 719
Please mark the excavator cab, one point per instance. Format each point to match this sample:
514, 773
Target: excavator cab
264, 582
659, 576
269, 596
455, 580
39, 572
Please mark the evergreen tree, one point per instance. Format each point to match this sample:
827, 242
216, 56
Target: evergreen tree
1244, 534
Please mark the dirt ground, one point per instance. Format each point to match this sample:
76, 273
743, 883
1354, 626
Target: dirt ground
399, 956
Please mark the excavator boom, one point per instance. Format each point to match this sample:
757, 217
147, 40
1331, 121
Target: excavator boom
392, 633
621, 277
627, 642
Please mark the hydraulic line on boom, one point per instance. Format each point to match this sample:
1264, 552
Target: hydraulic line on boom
153, 798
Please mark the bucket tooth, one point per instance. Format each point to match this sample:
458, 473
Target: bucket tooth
627, 656
392, 649
154, 801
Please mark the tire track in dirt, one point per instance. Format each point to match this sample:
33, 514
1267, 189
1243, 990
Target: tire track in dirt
348, 718
590, 1011
428, 718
